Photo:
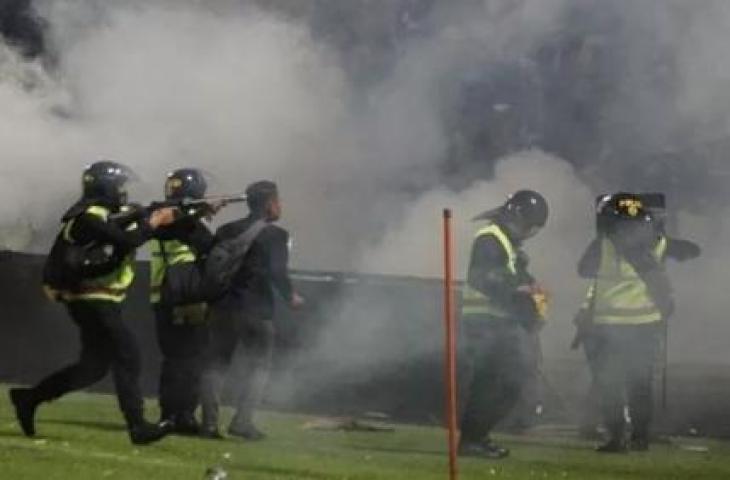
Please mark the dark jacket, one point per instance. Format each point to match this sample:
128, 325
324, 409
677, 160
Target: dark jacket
488, 274
264, 268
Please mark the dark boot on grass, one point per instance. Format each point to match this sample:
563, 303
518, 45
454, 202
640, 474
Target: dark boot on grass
614, 445
484, 449
246, 430
142, 432
186, 424
25, 403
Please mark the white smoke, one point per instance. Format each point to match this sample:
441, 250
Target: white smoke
246, 93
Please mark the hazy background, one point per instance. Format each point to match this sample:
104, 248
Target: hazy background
373, 115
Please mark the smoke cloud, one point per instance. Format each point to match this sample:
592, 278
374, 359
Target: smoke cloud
366, 137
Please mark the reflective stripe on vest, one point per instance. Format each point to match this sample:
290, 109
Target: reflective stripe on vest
110, 287
474, 302
165, 253
621, 296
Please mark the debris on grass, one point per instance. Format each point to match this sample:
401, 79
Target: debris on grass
215, 473
695, 448
346, 424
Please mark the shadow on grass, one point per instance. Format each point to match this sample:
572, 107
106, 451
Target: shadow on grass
95, 424
289, 472
395, 450
19, 436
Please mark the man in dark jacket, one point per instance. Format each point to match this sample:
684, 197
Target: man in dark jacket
245, 315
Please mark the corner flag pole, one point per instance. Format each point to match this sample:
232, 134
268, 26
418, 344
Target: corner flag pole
450, 347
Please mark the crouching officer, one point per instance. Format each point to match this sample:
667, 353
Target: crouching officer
89, 269
501, 303
182, 332
628, 304
245, 315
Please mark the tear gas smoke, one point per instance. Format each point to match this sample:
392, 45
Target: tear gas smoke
363, 146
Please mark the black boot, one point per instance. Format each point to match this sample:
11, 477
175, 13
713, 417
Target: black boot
640, 443
142, 432
484, 449
186, 424
614, 445
245, 429
25, 404
210, 432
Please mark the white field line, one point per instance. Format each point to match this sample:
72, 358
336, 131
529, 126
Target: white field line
88, 453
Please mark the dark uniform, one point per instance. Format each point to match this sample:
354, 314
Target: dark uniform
628, 303
245, 317
182, 332
495, 319
95, 306
498, 310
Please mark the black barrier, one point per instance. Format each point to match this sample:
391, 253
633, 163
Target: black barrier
363, 343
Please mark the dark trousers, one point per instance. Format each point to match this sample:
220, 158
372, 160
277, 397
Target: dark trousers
493, 369
106, 344
524, 414
590, 416
230, 329
625, 359
182, 336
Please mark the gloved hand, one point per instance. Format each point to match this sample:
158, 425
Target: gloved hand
539, 297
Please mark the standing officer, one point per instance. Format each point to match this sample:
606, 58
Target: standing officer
245, 315
629, 302
92, 230
501, 303
182, 332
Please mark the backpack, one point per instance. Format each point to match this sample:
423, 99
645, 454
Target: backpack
68, 264
211, 278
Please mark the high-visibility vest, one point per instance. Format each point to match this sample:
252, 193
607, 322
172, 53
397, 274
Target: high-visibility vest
474, 302
619, 294
166, 253
110, 287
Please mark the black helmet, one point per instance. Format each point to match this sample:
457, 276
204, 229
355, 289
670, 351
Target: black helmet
105, 182
185, 183
624, 216
527, 207
525, 213
622, 205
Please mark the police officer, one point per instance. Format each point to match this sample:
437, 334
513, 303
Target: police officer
501, 303
181, 330
629, 301
245, 315
95, 302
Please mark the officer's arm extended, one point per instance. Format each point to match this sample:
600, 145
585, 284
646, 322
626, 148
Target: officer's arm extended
90, 228
681, 250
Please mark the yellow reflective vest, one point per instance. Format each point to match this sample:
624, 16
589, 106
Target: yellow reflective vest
110, 287
166, 253
474, 302
619, 295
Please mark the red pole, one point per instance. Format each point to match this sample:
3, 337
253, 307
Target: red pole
450, 347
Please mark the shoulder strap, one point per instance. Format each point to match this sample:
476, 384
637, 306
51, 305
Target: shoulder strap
494, 230
247, 237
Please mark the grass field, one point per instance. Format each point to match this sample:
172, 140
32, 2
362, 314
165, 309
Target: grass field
81, 437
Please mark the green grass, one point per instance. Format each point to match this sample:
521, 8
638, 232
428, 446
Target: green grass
81, 437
